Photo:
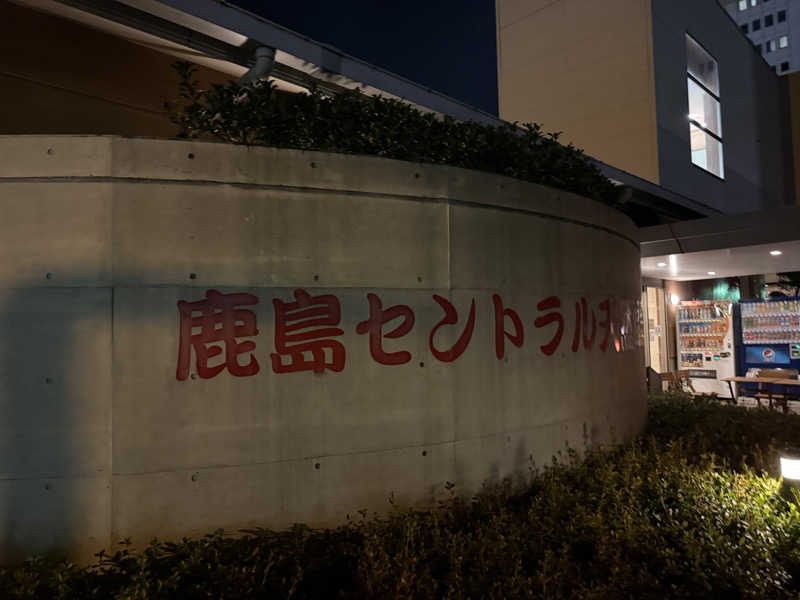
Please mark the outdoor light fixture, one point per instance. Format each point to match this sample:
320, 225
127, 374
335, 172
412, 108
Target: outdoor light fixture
661, 264
712, 272
673, 299
775, 252
790, 464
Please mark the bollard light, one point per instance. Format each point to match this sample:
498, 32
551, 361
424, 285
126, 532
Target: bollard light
790, 465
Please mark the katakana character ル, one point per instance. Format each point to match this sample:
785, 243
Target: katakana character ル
301, 327
588, 341
605, 324
500, 332
218, 321
550, 303
378, 317
451, 318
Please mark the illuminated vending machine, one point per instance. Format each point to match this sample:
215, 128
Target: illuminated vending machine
706, 344
770, 334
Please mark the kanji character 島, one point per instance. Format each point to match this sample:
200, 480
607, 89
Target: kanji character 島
217, 309
301, 327
451, 318
378, 317
554, 317
500, 332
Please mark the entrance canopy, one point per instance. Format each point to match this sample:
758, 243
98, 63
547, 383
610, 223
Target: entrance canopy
723, 246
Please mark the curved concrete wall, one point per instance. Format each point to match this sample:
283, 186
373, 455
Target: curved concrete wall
125, 262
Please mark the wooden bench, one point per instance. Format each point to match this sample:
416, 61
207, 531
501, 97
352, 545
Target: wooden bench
765, 391
678, 381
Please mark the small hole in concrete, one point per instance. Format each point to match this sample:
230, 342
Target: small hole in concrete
50, 151
313, 165
422, 364
316, 465
192, 275
416, 175
48, 380
316, 277
47, 486
195, 476
193, 376
190, 156
424, 453
48, 276
419, 279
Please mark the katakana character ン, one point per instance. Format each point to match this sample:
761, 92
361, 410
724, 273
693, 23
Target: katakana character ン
500, 333
605, 325
550, 303
451, 318
218, 321
300, 331
588, 341
378, 317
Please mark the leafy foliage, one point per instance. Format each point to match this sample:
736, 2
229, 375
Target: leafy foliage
354, 123
660, 518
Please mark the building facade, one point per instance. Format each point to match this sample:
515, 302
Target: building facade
668, 90
774, 28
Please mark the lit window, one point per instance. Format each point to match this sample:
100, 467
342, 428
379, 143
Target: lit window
705, 123
769, 21
753, 2
783, 41
781, 16
771, 46
742, 4
756, 25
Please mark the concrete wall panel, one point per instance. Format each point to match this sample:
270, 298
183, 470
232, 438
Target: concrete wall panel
97, 395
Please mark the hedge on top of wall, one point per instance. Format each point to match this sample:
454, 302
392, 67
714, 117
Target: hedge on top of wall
353, 123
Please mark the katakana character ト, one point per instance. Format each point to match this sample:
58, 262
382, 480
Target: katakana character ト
301, 329
451, 318
500, 333
378, 317
550, 303
218, 321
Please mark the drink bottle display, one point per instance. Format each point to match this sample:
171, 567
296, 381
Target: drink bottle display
705, 343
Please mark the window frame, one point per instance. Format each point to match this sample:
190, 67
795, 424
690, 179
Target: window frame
717, 98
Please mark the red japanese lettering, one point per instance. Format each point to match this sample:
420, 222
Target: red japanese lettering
605, 324
218, 321
550, 303
451, 318
500, 333
378, 317
301, 328
581, 324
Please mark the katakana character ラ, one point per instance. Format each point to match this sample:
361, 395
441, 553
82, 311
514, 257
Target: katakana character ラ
378, 317
554, 317
500, 332
301, 327
218, 321
451, 318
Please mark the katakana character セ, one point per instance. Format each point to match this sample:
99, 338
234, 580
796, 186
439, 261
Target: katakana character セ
451, 318
219, 321
500, 332
588, 341
554, 317
301, 327
378, 317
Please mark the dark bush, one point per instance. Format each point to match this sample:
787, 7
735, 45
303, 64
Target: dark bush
354, 123
661, 518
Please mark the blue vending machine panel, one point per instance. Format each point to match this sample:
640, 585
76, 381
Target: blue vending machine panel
769, 334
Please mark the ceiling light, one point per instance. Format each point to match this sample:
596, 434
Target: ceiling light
673, 298
661, 264
712, 272
775, 252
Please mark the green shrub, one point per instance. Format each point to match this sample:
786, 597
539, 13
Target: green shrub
661, 518
353, 123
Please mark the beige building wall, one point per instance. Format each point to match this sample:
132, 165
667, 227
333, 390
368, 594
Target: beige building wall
584, 68
61, 77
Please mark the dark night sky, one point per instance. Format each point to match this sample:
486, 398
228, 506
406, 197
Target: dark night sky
446, 45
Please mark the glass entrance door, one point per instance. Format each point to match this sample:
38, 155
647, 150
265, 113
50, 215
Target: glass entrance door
656, 321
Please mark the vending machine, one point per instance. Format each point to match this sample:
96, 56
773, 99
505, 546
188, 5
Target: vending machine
706, 344
770, 334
